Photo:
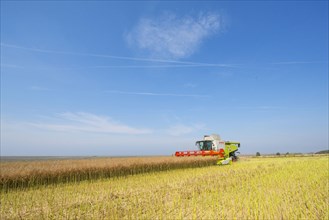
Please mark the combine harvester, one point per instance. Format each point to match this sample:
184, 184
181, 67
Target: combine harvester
213, 145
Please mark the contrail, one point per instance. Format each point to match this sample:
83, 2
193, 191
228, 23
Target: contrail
114, 57
109, 67
184, 63
154, 94
299, 62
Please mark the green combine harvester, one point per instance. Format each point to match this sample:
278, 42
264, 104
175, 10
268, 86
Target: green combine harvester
213, 145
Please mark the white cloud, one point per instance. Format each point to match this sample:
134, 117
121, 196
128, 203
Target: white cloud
190, 85
181, 129
174, 37
90, 134
86, 122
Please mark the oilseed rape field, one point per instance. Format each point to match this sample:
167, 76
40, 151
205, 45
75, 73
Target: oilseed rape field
252, 188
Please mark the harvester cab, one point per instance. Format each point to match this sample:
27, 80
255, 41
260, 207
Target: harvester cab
213, 145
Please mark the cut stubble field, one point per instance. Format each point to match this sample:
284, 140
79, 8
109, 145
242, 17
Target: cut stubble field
252, 188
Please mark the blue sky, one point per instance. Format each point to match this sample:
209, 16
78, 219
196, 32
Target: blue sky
146, 78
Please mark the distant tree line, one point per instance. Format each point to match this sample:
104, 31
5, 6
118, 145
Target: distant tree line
278, 153
323, 152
